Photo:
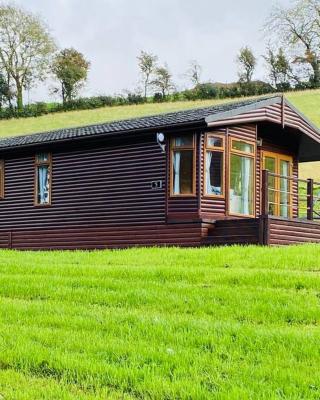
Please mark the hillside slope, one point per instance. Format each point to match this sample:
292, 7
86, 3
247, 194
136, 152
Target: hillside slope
308, 102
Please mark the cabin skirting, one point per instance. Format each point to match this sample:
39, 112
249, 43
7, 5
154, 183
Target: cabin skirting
101, 238
264, 231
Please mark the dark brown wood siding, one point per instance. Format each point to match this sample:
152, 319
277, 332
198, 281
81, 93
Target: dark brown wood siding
97, 185
111, 236
237, 231
244, 132
102, 197
284, 232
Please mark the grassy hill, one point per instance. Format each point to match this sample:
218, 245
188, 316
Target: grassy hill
307, 101
224, 323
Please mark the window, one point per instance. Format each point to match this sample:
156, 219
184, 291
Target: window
1, 179
279, 189
43, 179
242, 175
183, 165
214, 165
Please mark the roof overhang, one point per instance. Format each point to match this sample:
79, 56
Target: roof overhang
276, 110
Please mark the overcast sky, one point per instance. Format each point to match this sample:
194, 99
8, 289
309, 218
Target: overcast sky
111, 33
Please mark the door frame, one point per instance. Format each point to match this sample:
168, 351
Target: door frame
278, 158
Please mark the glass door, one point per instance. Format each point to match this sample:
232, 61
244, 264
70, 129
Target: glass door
279, 188
242, 178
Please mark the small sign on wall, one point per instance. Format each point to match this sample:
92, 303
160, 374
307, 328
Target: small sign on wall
156, 185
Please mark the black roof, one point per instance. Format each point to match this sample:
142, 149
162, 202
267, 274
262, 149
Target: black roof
180, 118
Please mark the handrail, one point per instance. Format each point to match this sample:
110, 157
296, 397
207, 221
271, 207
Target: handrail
291, 178
294, 199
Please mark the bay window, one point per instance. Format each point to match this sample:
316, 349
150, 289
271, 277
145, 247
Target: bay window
214, 165
241, 181
183, 165
43, 179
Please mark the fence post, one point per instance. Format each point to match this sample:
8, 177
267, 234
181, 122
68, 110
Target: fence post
310, 199
265, 192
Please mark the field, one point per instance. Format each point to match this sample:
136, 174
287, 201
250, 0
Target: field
308, 102
224, 323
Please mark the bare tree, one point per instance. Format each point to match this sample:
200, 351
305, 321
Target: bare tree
163, 80
247, 64
25, 47
299, 27
147, 64
194, 72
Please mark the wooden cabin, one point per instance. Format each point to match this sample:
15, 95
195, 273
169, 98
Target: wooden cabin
218, 175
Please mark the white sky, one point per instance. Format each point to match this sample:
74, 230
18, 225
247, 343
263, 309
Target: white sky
111, 33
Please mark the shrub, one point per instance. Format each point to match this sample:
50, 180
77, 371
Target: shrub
158, 98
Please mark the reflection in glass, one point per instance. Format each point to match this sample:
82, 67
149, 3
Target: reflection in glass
241, 185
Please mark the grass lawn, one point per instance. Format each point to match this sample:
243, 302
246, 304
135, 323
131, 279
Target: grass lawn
224, 323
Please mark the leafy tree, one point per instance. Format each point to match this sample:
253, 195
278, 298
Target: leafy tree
247, 64
25, 48
299, 27
163, 80
194, 72
147, 64
279, 67
6, 92
71, 69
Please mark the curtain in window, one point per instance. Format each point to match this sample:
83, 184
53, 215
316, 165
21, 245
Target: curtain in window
176, 167
43, 184
208, 176
245, 177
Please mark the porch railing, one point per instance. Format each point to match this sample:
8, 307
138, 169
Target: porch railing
290, 197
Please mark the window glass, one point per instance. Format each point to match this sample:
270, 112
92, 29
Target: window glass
183, 141
42, 157
43, 179
241, 185
43, 184
270, 165
214, 141
214, 173
183, 172
242, 146
284, 189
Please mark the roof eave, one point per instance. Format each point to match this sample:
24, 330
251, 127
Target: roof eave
185, 125
241, 110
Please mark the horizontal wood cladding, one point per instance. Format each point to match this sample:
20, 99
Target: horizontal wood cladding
97, 185
104, 237
294, 120
240, 231
286, 232
271, 113
244, 132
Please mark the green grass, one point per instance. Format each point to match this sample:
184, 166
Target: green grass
224, 323
307, 101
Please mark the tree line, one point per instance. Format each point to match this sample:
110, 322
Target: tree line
29, 55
